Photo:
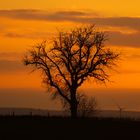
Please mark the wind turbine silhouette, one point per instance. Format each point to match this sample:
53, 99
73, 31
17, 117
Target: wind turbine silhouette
120, 109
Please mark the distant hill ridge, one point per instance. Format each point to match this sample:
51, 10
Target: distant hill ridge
45, 112
27, 111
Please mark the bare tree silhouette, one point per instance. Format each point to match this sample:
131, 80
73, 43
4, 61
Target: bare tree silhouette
74, 57
87, 105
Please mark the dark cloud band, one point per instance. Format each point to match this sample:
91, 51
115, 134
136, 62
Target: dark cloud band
116, 38
11, 66
74, 16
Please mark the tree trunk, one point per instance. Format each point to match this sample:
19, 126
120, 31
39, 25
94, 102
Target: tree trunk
73, 110
73, 105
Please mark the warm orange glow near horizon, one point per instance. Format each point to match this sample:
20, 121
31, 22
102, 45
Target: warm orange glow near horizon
26, 23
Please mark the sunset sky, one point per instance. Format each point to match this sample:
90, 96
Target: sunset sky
28, 22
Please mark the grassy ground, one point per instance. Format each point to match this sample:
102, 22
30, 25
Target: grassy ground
35, 127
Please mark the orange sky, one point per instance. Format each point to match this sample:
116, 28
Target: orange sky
25, 23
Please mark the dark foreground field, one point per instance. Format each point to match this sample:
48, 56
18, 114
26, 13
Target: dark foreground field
43, 128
